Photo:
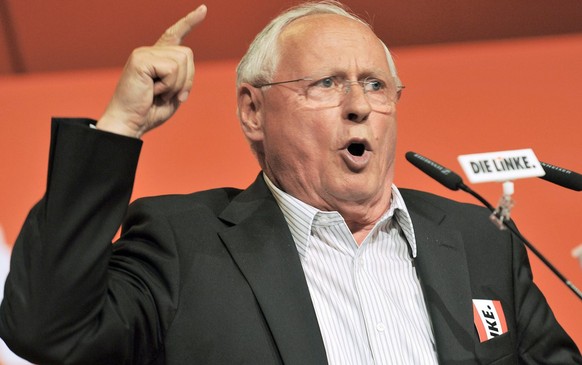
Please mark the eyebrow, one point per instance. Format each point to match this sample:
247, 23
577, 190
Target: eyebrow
365, 72
386, 77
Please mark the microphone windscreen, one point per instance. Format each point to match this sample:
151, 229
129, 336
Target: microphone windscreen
438, 172
561, 176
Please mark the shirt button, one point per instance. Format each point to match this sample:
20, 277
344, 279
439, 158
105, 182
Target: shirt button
380, 327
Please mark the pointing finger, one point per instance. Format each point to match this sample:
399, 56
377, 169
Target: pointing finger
174, 35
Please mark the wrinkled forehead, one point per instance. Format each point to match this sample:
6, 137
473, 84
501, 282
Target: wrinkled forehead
330, 40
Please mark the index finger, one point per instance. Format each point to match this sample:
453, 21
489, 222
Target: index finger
174, 35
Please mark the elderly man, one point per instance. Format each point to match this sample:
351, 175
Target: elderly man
321, 260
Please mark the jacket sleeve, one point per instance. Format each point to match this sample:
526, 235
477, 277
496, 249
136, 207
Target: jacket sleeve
64, 301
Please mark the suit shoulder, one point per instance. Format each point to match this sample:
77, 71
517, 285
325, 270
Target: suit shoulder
420, 199
214, 200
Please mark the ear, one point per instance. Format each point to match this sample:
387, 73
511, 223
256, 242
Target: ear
250, 113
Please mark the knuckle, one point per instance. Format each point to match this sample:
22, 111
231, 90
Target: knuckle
188, 52
139, 53
184, 56
174, 67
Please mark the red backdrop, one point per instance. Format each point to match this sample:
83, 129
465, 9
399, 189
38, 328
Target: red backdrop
460, 99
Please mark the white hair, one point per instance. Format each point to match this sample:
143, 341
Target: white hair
259, 64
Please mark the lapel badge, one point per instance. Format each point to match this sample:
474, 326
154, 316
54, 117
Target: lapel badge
489, 318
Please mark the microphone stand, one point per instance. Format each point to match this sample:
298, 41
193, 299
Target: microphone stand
511, 227
453, 181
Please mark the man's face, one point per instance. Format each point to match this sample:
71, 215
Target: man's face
329, 157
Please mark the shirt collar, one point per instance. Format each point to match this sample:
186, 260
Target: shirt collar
300, 216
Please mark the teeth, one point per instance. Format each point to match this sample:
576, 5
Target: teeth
356, 149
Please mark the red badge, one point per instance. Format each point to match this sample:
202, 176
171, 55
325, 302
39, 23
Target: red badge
489, 318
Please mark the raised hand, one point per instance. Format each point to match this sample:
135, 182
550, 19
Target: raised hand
154, 82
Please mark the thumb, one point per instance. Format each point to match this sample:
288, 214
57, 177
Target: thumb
174, 35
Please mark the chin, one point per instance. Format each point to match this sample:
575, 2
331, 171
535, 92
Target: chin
362, 193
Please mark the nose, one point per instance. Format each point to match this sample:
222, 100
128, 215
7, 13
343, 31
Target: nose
357, 108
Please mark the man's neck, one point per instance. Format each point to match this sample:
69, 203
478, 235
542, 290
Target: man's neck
362, 219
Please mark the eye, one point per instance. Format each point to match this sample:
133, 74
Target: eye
373, 85
326, 82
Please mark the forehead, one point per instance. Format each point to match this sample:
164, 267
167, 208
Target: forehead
330, 40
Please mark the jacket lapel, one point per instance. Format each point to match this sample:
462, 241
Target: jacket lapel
444, 276
263, 248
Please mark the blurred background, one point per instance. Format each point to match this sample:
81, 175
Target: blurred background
480, 76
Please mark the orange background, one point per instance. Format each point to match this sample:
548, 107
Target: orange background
460, 99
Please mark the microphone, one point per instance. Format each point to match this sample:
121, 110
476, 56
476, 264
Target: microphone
438, 172
561, 176
447, 177
454, 182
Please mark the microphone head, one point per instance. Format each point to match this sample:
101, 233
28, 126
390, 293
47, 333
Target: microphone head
561, 176
438, 172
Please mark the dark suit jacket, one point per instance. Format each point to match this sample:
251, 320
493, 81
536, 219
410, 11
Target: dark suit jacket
214, 277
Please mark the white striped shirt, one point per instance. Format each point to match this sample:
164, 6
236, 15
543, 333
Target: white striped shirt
367, 298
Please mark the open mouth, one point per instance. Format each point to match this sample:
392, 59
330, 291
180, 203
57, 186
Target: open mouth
357, 154
356, 149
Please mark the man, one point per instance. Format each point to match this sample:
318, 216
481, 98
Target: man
321, 260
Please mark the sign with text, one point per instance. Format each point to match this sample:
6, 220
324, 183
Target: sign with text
501, 166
